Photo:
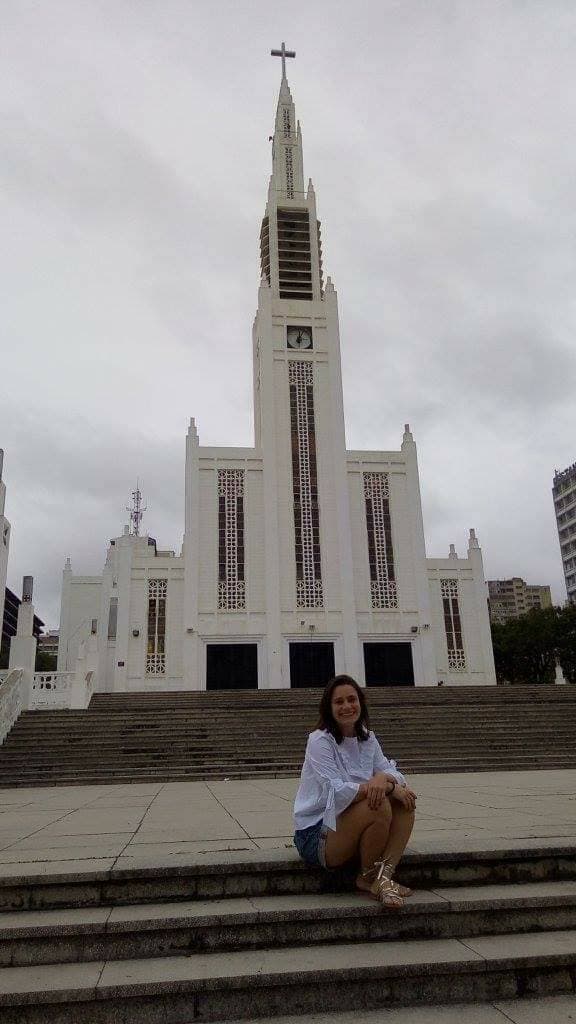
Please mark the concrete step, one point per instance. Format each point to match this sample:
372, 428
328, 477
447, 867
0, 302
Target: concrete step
46, 757
135, 734
177, 725
304, 713
170, 929
531, 1010
248, 984
122, 775
246, 874
164, 736
145, 739
383, 695
471, 762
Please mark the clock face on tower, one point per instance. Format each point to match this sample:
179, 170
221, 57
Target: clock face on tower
299, 337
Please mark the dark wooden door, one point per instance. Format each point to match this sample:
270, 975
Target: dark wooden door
387, 664
311, 663
232, 667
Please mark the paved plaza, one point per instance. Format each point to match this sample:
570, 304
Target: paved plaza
104, 826
53, 835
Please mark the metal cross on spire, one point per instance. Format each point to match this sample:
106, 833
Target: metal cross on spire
283, 52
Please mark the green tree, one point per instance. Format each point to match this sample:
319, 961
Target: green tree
525, 649
45, 662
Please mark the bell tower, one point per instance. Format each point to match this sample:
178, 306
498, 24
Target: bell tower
290, 248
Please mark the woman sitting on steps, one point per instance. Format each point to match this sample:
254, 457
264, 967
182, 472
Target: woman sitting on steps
352, 801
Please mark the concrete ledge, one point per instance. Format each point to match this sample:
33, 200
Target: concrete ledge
210, 987
170, 929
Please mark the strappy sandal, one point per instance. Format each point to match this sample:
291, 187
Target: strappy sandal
403, 890
383, 888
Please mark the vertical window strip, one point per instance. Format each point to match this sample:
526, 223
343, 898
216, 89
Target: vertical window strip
231, 561
383, 587
156, 645
453, 625
309, 590
289, 173
286, 122
112, 618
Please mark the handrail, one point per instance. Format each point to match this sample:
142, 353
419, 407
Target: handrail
51, 690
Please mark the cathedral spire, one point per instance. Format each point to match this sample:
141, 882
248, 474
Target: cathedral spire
290, 247
287, 163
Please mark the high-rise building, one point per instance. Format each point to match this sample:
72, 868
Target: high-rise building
511, 598
48, 643
564, 495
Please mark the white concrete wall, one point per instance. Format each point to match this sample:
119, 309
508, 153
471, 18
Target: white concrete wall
4, 542
79, 605
476, 638
407, 622
4, 551
171, 570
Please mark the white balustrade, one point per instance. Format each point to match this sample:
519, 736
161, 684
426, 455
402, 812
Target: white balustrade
51, 691
11, 699
90, 678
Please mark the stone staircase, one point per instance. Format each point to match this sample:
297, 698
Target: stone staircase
256, 935
244, 734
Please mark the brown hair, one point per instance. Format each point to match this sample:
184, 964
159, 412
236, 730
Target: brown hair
326, 718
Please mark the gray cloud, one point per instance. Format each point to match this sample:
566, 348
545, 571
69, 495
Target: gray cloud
133, 171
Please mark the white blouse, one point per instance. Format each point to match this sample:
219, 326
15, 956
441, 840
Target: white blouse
332, 773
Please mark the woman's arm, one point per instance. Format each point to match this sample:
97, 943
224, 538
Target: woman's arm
320, 759
402, 792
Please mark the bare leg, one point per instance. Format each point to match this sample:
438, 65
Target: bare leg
363, 831
400, 831
373, 837
359, 830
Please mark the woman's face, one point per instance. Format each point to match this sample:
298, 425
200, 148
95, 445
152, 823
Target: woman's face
345, 708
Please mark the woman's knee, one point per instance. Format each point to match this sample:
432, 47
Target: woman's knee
405, 812
381, 814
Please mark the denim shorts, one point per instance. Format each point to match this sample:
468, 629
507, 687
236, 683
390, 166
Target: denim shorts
311, 844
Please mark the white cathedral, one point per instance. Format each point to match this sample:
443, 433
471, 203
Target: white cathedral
300, 559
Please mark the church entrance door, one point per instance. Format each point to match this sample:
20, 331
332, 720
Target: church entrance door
232, 667
311, 664
388, 664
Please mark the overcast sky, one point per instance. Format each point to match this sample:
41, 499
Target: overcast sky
134, 161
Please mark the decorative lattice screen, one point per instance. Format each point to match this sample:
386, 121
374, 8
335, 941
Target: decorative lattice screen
156, 648
453, 625
309, 591
383, 587
231, 582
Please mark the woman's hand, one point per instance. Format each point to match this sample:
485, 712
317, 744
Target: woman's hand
377, 788
405, 796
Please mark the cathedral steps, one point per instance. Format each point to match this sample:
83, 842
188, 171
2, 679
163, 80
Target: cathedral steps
252, 734
137, 932
254, 935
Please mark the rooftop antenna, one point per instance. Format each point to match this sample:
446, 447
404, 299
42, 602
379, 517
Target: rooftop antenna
136, 510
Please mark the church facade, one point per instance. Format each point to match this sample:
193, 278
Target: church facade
301, 559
